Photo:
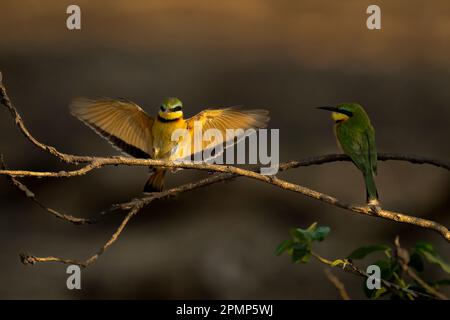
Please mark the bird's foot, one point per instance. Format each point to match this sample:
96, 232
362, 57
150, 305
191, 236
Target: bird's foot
375, 206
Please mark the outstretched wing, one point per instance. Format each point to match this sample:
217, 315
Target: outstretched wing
123, 123
229, 118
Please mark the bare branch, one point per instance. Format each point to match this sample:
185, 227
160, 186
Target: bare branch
337, 284
226, 173
403, 259
133, 206
31, 260
4, 99
30, 195
349, 267
365, 210
75, 159
99, 162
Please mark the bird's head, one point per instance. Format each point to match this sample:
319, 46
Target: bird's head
345, 111
171, 109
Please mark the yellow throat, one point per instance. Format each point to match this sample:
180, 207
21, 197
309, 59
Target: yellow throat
171, 115
339, 117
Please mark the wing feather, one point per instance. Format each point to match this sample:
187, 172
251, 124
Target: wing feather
228, 118
354, 144
123, 123
370, 134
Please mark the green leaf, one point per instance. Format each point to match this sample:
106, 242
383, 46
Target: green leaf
300, 253
362, 252
300, 235
320, 233
427, 250
374, 293
416, 262
284, 246
299, 247
378, 293
386, 274
385, 268
312, 233
440, 283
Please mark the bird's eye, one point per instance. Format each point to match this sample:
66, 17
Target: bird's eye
177, 108
163, 108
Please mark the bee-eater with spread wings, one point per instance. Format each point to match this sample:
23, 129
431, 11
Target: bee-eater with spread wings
131, 130
356, 137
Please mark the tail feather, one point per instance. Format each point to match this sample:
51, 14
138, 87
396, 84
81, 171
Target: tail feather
155, 182
371, 188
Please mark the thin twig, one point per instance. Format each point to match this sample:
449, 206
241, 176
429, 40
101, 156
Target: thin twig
351, 268
337, 284
425, 285
133, 208
6, 101
402, 256
30, 195
31, 260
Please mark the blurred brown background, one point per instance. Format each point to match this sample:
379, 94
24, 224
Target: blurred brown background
218, 242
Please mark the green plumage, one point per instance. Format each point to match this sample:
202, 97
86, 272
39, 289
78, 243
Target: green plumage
356, 136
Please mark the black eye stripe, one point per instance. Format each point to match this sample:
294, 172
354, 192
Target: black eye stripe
177, 108
346, 112
162, 108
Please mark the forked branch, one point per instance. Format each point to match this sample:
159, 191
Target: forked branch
223, 173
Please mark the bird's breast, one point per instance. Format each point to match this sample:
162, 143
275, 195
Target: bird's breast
162, 136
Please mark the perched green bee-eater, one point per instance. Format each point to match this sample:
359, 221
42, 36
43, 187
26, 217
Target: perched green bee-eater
356, 137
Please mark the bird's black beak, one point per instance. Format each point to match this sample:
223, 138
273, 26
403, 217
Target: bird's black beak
334, 109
